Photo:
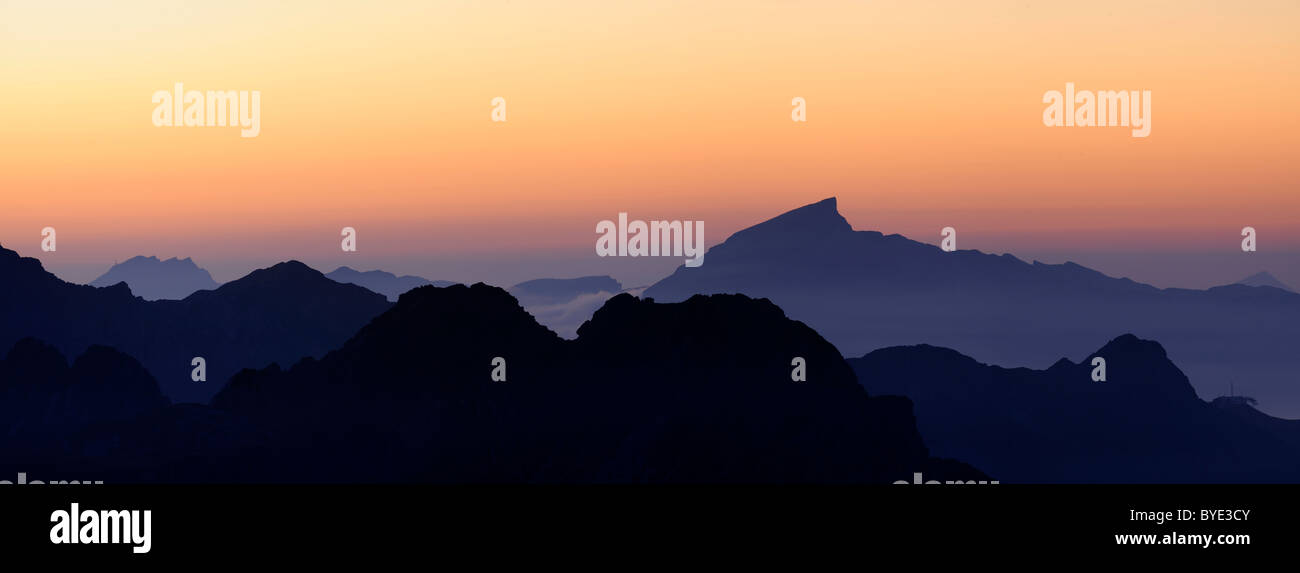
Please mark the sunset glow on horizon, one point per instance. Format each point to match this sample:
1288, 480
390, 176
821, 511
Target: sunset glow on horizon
378, 117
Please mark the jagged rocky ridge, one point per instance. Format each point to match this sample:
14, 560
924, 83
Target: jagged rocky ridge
277, 314
693, 392
1144, 424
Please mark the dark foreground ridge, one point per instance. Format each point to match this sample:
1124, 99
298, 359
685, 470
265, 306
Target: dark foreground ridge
1144, 424
277, 314
698, 391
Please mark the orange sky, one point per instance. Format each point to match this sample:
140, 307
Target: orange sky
921, 115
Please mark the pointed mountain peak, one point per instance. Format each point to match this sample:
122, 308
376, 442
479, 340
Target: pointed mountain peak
1132, 360
1062, 364
1264, 278
822, 216
289, 275
817, 220
288, 270
1130, 346
292, 268
1130, 342
829, 205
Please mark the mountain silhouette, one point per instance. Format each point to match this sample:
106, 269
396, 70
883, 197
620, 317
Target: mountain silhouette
564, 304
104, 418
382, 282
864, 290
154, 279
1264, 278
279, 314
699, 391
43, 399
1143, 424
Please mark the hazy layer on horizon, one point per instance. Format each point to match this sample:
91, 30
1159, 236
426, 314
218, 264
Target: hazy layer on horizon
379, 117
1160, 269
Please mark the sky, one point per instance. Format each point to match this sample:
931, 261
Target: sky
378, 116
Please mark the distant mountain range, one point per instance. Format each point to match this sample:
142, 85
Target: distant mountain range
462, 385
1144, 424
154, 279
385, 283
564, 304
173, 279
1263, 278
279, 314
548, 291
699, 391
863, 290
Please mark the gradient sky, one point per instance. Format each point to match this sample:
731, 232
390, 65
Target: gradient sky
921, 115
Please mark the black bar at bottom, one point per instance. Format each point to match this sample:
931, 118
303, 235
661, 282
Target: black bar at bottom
322, 522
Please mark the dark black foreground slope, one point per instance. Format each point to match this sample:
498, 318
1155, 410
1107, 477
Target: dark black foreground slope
699, 391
